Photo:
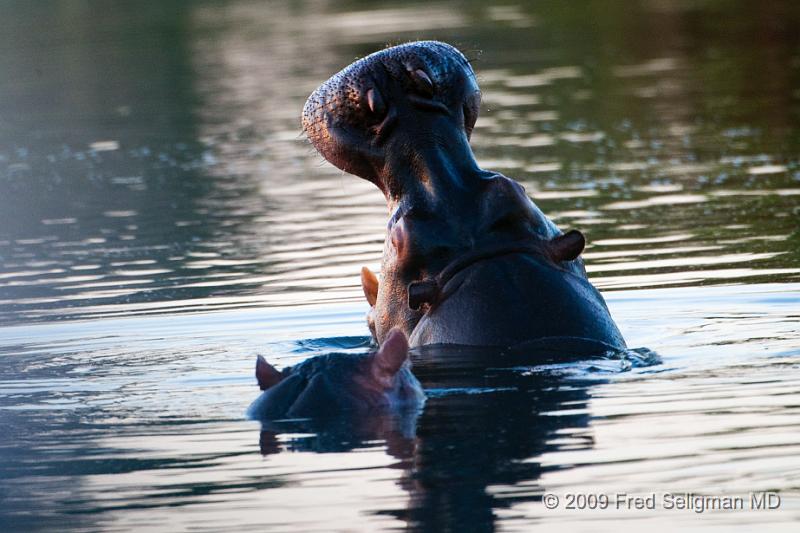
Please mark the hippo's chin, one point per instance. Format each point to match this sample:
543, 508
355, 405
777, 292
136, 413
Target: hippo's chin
465, 315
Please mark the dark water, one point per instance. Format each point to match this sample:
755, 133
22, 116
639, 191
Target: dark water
162, 220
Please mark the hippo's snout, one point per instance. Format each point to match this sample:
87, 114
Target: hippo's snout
350, 117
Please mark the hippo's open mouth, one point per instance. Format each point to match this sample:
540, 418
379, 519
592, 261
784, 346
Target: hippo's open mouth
467, 253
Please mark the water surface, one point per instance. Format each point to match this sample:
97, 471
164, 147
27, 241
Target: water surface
162, 220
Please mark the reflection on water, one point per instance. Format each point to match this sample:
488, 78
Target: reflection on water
151, 163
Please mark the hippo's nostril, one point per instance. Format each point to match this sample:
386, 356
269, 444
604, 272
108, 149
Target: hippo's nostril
375, 102
422, 82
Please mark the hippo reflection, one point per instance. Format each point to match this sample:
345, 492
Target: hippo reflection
468, 258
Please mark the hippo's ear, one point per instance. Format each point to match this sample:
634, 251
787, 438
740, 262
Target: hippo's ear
568, 246
266, 374
369, 282
389, 358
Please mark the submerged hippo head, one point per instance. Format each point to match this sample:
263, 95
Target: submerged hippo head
329, 385
468, 258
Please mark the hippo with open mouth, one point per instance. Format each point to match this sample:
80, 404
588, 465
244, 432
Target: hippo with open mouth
468, 258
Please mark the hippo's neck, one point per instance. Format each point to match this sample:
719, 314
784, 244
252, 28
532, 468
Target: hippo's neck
431, 169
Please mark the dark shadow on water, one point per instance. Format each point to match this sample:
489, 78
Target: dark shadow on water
485, 428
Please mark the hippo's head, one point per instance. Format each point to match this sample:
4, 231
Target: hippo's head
334, 384
386, 117
466, 250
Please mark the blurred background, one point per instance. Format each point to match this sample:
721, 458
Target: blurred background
151, 156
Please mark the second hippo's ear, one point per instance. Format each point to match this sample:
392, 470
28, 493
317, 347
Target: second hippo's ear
389, 358
369, 282
266, 374
567, 247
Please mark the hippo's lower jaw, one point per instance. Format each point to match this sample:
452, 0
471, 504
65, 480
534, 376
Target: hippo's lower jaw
530, 299
434, 290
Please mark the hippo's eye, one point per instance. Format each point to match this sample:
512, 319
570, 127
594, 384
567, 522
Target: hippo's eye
472, 107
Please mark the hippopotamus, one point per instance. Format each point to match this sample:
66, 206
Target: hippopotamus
339, 383
468, 258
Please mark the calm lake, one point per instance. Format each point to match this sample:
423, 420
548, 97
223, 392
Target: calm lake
163, 220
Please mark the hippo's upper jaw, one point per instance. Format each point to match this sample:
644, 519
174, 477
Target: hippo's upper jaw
401, 118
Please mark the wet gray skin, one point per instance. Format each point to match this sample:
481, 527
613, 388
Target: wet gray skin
468, 257
336, 384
